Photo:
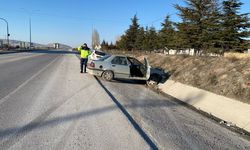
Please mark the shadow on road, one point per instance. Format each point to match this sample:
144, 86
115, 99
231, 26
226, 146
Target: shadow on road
51, 122
18, 132
41, 122
129, 117
129, 81
162, 80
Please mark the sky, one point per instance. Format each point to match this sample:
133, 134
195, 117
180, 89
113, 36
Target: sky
71, 21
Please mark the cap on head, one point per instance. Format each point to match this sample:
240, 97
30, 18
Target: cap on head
85, 44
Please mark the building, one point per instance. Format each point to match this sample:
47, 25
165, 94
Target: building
56, 45
1, 43
182, 52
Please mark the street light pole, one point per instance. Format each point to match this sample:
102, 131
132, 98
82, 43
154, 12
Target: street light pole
7, 31
30, 31
29, 12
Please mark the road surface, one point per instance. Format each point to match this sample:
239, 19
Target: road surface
45, 103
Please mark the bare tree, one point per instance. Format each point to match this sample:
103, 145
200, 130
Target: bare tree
95, 39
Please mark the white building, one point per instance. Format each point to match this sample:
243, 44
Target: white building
182, 52
172, 52
56, 45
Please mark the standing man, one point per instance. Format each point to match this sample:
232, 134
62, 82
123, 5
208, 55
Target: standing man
84, 53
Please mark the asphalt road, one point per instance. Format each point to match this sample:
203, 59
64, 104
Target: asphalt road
45, 103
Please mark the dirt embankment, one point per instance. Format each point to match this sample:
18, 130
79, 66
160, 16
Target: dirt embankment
229, 77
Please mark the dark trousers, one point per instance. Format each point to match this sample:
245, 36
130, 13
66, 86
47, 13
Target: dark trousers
84, 62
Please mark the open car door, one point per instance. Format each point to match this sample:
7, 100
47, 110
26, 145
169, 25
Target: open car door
147, 68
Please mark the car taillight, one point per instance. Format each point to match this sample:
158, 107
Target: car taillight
92, 64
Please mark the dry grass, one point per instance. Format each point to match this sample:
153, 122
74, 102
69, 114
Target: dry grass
237, 55
228, 76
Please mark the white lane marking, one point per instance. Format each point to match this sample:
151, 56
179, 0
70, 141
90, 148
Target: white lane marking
27, 81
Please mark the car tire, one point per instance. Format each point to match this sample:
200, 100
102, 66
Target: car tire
153, 81
108, 75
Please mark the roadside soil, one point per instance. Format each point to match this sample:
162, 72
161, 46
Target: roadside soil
229, 77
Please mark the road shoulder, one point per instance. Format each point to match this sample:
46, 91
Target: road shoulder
229, 110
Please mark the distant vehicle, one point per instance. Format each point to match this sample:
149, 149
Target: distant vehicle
112, 67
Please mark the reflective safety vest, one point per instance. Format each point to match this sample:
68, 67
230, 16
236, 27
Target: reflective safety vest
84, 52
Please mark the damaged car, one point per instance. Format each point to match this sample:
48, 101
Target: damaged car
112, 67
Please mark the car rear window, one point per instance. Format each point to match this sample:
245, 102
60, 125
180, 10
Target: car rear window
100, 53
104, 57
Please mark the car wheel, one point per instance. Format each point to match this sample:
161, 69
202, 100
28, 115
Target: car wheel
153, 81
108, 75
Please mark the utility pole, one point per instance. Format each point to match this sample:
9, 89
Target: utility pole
92, 42
30, 12
30, 30
8, 41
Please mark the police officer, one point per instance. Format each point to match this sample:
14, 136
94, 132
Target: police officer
84, 53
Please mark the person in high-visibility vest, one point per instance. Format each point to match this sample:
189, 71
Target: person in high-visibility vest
84, 53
